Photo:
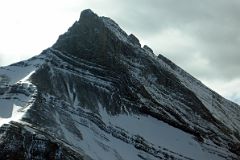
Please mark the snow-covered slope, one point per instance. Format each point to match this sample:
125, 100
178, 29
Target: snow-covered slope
17, 92
97, 94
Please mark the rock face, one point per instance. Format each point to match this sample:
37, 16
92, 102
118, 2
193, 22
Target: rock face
96, 94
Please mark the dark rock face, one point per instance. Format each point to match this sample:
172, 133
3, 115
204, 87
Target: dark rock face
94, 75
235, 148
89, 39
148, 49
19, 143
133, 39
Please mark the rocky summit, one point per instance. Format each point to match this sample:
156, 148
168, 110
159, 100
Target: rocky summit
97, 94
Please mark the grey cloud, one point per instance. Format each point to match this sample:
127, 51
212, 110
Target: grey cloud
220, 44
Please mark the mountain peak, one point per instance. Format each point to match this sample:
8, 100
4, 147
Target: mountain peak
94, 37
88, 12
88, 16
89, 26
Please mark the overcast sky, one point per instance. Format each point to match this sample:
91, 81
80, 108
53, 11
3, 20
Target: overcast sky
203, 37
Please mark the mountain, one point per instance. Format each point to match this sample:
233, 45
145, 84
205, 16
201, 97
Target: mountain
97, 94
